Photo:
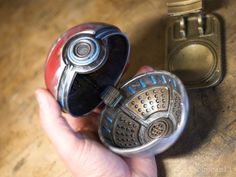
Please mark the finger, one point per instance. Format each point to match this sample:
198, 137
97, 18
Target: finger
83, 123
98, 109
80, 154
145, 69
147, 164
56, 127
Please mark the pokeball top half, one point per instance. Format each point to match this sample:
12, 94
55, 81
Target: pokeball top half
83, 62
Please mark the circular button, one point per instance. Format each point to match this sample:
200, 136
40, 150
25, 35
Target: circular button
82, 49
160, 128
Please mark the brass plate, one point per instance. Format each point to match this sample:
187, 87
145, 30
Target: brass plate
181, 7
192, 55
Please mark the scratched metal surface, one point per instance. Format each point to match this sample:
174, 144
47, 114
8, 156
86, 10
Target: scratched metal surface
27, 30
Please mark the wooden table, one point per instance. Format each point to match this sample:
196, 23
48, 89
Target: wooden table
27, 31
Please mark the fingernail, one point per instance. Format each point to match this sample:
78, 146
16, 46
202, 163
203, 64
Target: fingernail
147, 68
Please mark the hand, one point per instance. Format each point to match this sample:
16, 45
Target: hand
77, 143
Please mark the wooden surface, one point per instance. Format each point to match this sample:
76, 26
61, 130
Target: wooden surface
27, 31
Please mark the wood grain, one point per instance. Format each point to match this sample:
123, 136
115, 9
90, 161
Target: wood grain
27, 31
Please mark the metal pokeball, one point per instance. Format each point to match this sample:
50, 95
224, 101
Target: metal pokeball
145, 116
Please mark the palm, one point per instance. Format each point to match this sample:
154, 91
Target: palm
77, 143
96, 159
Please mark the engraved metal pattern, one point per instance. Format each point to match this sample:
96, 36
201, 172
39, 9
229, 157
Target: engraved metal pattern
160, 128
126, 130
150, 101
176, 109
153, 109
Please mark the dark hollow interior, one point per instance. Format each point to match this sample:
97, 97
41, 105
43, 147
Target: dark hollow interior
86, 89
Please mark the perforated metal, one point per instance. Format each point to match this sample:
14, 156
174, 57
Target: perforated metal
176, 109
151, 109
125, 132
151, 100
160, 128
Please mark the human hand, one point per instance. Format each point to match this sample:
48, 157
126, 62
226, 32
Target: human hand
77, 143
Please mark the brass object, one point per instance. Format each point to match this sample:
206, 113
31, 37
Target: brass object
193, 44
180, 7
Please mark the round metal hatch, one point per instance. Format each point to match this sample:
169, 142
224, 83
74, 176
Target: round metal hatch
193, 62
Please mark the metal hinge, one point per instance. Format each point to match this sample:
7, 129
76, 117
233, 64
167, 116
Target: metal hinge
111, 96
185, 10
192, 25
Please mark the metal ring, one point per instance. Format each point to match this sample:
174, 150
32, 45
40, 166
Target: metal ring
93, 54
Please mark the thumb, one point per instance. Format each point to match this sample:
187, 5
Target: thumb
142, 166
56, 127
144, 69
80, 154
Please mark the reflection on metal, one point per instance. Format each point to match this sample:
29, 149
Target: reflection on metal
182, 30
150, 116
193, 44
83, 62
152, 100
182, 7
